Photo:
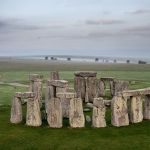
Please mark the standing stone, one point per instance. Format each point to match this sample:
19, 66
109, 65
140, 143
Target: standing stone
49, 94
36, 87
119, 86
147, 107
136, 109
54, 114
33, 116
79, 86
65, 98
76, 116
101, 88
111, 83
54, 75
91, 89
98, 117
16, 110
119, 116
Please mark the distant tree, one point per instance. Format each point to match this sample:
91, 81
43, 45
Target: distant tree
115, 61
69, 59
96, 59
142, 62
128, 61
46, 57
52, 58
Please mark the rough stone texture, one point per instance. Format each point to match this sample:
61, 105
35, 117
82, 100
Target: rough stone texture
79, 86
91, 89
119, 86
111, 84
58, 83
35, 77
33, 116
16, 110
54, 75
98, 117
140, 92
86, 74
101, 88
107, 103
76, 116
54, 114
136, 109
119, 116
147, 107
50, 93
65, 98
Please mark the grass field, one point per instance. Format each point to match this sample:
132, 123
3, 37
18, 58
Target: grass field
18, 137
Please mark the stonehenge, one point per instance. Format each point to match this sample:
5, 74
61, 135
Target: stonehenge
126, 106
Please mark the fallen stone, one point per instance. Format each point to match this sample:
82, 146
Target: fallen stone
88, 118
86, 110
89, 105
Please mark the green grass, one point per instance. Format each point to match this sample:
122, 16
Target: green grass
21, 137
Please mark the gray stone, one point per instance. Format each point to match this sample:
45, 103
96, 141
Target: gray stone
79, 86
54, 114
16, 110
136, 109
33, 116
147, 107
89, 105
58, 83
54, 75
86, 74
76, 116
119, 116
88, 118
91, 89
101, 88
98, 116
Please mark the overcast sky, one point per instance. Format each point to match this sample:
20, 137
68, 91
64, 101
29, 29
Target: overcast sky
75, 27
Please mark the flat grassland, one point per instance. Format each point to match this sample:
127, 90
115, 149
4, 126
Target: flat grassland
14, 77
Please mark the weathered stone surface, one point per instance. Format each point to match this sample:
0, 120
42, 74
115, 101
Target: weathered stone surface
65, 98
101, 88
111, 84
147, 107
91, 89
18, 94
119, 116
136, 109
16, 110
54, 75
107, 103
107, 79
76, 116
33, 116
86, 74
58, 83
140, 92
119, 86
36, 88
79, 86
49, 94
98, 117
66, 95
54, 114
35, 77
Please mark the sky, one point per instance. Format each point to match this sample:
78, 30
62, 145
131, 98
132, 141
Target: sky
75, 27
